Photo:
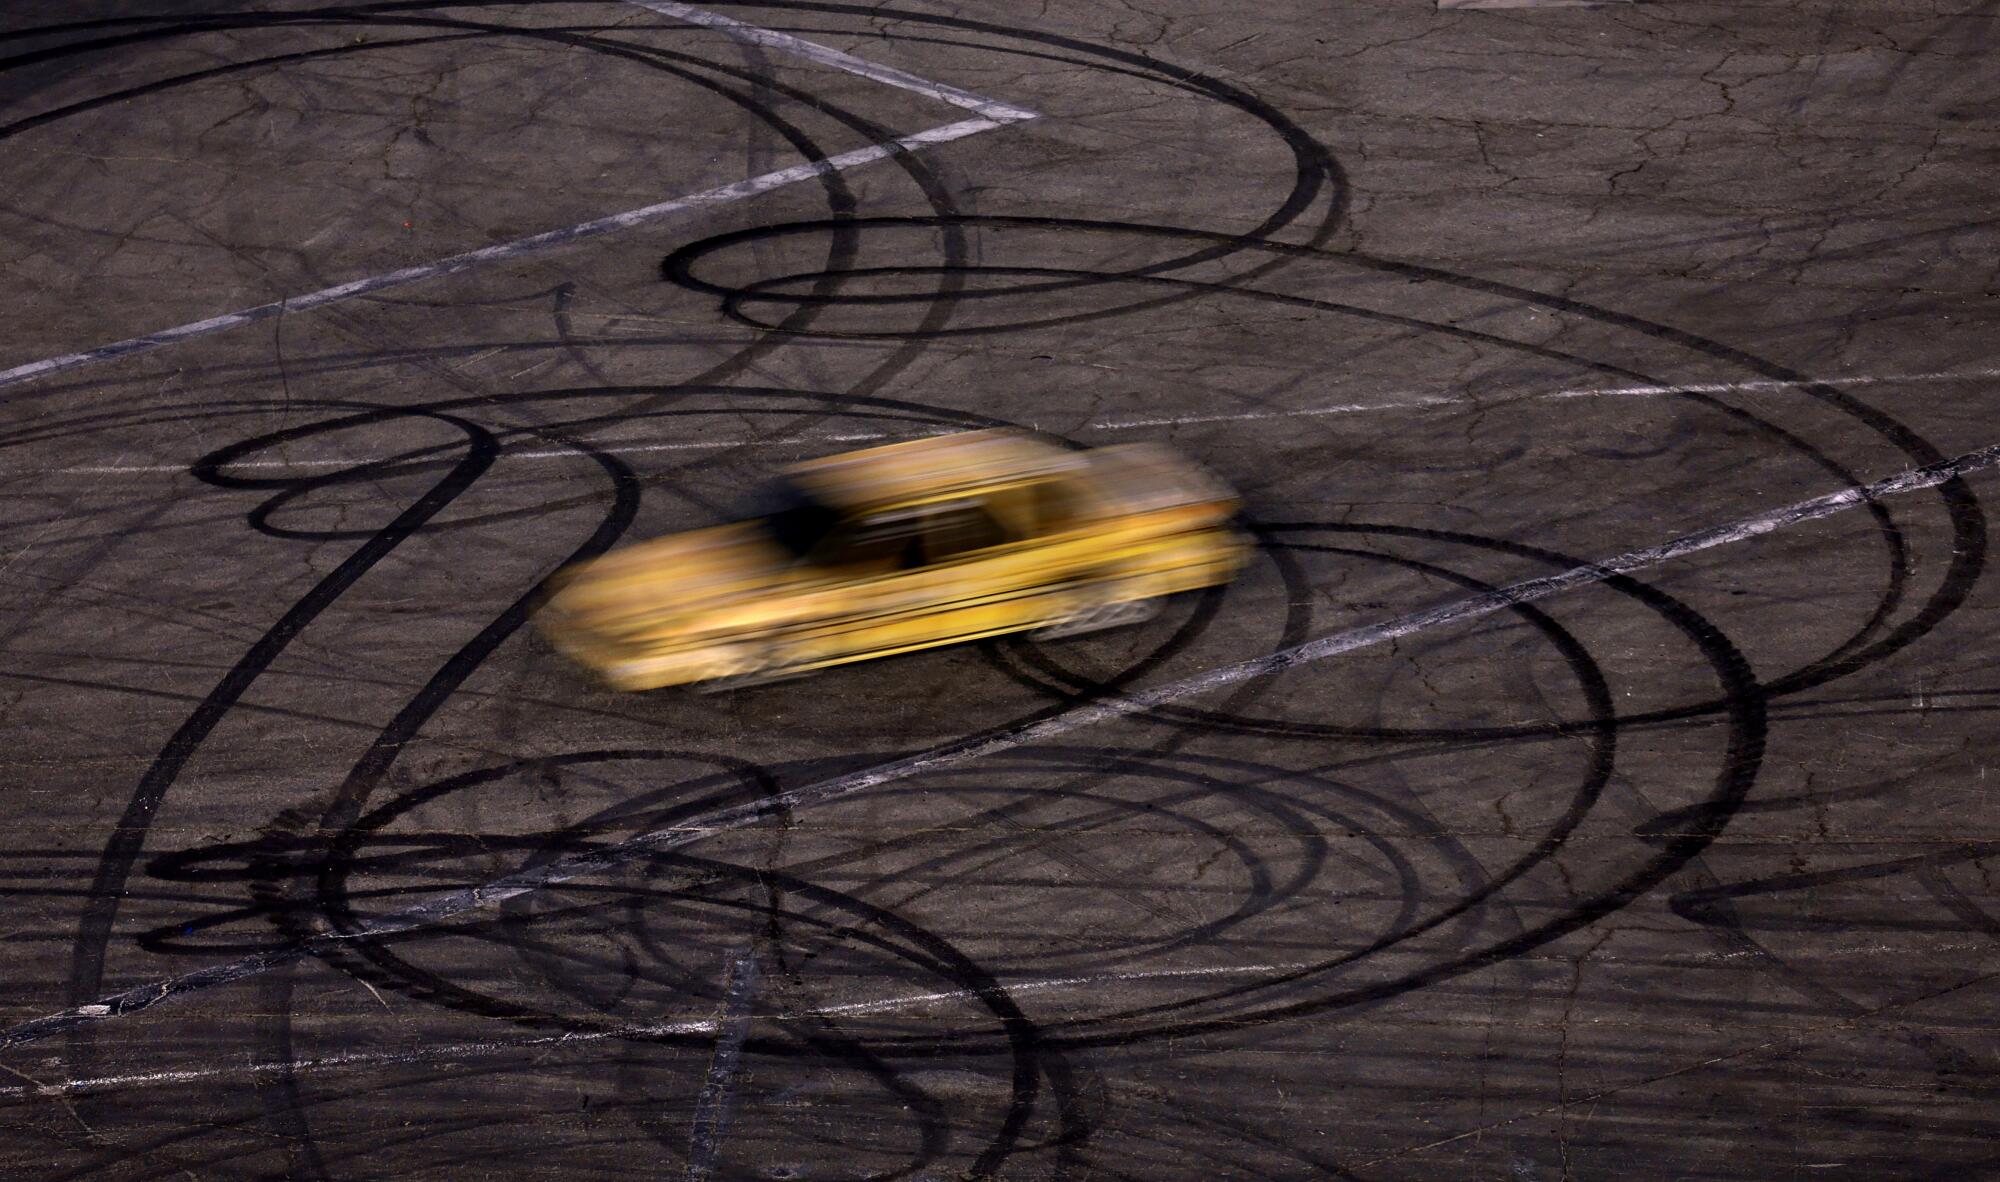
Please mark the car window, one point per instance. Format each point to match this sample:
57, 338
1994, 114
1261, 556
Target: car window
871, 545
904, 539
892, 541
796, 521
957, 529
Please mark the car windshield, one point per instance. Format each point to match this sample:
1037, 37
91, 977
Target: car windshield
795, 520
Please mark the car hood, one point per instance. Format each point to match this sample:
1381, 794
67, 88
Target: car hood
670, 580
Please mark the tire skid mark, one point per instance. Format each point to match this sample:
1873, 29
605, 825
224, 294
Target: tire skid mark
991, 115
650, 844
1037, 1053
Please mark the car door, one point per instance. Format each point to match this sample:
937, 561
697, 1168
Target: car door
963, 583
923, 574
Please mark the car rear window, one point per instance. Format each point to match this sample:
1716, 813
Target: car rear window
795, 520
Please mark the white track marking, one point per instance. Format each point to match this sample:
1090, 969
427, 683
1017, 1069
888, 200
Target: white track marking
1289, 412
991, 114
814, 51
453, 904
1394, 403
446, 1053
1887, 379
441, 1053
1043, 984
501, 251
1421, 402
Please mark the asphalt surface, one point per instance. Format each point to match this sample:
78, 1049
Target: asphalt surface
1680, 864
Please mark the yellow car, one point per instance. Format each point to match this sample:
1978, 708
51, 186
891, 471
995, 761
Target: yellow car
902, 547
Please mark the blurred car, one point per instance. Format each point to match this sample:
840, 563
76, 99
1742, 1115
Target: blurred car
902, 547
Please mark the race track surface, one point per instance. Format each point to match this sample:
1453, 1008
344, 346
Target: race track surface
1588, 779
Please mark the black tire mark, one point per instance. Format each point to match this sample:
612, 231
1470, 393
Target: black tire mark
1703, 819
122, 850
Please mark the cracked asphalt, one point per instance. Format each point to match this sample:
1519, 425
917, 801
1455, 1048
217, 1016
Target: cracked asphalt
1588, 778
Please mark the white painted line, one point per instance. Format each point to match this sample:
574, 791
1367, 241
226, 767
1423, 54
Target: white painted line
457, 903
444, 1053
1043, 984
1289, 412
1461, 5
437, 1053
1392, 403
503, 250
991, 114
1887, 379
329, 465
826, 56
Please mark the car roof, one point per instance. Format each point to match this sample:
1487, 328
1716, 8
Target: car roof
924, 469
